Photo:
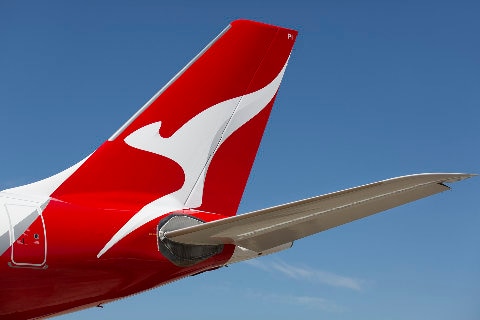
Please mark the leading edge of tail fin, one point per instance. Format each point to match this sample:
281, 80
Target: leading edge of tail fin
197, 138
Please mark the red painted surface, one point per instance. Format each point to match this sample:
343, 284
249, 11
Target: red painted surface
30, 247
117, 181
73, 275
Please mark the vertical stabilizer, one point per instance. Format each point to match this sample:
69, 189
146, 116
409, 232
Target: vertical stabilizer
197, 138
194, 142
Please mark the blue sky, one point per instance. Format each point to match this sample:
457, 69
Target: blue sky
374, 89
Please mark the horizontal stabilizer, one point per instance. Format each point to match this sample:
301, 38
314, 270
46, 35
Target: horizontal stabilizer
264, 229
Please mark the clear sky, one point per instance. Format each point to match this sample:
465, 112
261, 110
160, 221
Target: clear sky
374, 89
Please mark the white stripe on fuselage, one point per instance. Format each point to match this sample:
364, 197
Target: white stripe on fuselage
38, 194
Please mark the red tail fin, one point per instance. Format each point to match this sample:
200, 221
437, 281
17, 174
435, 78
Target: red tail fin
196, 139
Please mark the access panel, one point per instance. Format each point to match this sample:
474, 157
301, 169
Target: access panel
28, 232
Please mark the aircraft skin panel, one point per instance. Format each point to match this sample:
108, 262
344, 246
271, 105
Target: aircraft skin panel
330, 219
267, 228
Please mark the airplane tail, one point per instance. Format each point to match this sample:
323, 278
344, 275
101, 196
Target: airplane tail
196, 139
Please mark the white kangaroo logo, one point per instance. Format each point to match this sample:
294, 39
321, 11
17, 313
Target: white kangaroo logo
193, 147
